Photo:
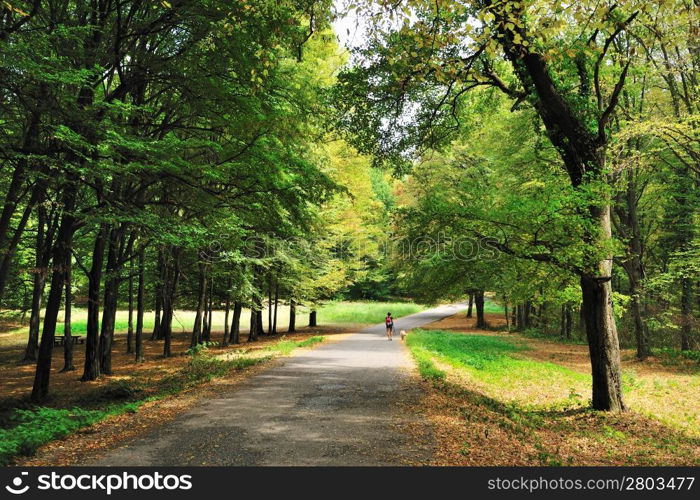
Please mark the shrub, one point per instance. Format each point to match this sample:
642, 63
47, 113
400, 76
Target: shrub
39, 426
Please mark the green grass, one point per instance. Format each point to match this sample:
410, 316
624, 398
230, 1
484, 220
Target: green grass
673, 356
426, 366
491, 308
490, 359
284, 347
364, 312
534, 333
30, 429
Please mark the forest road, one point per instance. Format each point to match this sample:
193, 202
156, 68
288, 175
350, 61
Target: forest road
347, 402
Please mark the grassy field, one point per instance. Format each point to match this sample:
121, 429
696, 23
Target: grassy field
505, 375
365, 312
332, 313
492, 363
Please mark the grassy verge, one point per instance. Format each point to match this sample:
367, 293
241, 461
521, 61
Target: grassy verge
492, 362
28, 429
536, 411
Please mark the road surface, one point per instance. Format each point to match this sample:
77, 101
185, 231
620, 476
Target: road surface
341, 403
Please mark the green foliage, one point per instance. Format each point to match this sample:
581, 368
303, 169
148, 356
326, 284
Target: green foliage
489, 358
285, 347
477, 351
33, 428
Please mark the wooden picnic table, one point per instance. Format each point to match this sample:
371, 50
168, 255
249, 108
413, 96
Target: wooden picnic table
60, 340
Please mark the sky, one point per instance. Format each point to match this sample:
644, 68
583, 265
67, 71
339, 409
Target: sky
348, 27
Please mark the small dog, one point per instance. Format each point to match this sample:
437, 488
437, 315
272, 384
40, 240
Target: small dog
403, 334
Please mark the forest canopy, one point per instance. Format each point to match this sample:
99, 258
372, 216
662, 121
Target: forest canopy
212, 155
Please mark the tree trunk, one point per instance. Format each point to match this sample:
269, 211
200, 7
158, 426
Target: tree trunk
43, 254
471, 303
627, 214
227, 311
91, 370
259, 322
269, 305
201, 299
169, 304
67, 334
505, 313
160, 283
32, 348
236, 323
292, 316
686, 313
274, 317
312, 318
602, 343
61, 252
479, 302
111, 294
130, 322
140, 303
210, 312
15, 192
253, 332
527, 314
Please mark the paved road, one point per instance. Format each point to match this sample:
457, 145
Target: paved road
342, 403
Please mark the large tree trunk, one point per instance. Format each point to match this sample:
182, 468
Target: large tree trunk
601, 331
641, 332
479, 302
274, 316
269, 305
253, 331
292, 316
313, 318
32, 348
236, 323
210, 312
130, 322
62, 251
140, 303
160, 283
43, 253
91, 370
111, 294
686, 313
227, 312
169, 303
627, 214
67, 334
201, 300
259, 322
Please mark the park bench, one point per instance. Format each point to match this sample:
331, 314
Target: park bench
60, 340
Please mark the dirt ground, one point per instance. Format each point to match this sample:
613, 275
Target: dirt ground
16, 379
